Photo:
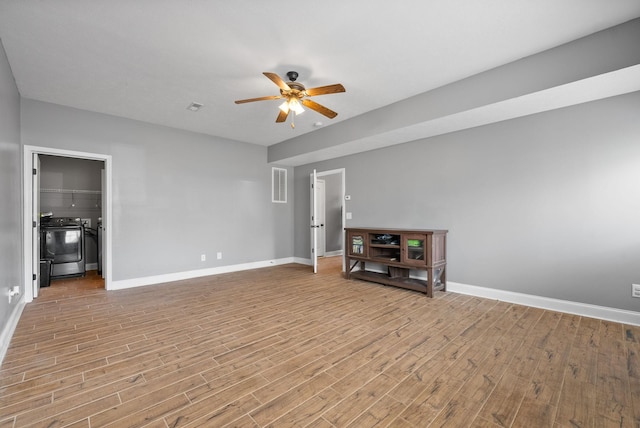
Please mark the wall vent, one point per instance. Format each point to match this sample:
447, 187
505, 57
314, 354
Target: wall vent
278, 185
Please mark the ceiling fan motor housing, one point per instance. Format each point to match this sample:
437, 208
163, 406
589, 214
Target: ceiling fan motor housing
297, 90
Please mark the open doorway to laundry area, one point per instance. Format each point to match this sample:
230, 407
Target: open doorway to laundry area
67, 218
71, 189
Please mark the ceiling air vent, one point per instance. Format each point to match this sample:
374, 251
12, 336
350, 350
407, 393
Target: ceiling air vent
194, 106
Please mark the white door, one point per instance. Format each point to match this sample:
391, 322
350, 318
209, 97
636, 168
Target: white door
103, 249
35, 218
314, 222
321, 244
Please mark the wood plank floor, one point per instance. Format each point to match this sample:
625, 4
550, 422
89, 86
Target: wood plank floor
281, 347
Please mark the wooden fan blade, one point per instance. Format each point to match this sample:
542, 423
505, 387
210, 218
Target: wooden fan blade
319, 108
250, 100
277, 80
322, 90
282, 116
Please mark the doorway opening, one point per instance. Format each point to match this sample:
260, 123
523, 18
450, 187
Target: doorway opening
327, 216
52, 192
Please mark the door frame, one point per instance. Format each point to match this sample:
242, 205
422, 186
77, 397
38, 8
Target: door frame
321, 207
27, 233
342, 172
35, 231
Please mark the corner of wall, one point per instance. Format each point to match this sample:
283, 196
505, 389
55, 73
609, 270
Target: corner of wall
9, 327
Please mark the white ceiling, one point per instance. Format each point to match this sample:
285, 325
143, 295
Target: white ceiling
149, 59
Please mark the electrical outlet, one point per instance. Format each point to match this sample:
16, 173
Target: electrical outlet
219, 255
203, 257
13, 291
635, 290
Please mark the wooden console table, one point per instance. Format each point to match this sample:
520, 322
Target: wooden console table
400, 251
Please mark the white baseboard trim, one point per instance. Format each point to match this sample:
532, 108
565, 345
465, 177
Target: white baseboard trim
179, 276
575, 308
10, 327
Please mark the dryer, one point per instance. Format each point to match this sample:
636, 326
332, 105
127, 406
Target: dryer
62, 242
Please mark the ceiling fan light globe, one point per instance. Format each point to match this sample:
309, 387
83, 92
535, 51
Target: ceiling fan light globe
295, 105
284, 107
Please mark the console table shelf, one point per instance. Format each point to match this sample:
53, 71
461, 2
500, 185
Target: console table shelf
400, 251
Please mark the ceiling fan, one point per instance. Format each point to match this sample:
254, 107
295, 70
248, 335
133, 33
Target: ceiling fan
295, 96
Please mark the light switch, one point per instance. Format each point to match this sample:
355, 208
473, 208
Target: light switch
348, 216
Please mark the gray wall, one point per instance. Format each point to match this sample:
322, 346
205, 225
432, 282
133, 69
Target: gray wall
176, 194
10, 198
546, 204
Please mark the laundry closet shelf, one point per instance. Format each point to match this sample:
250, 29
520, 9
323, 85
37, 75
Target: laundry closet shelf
76, 191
